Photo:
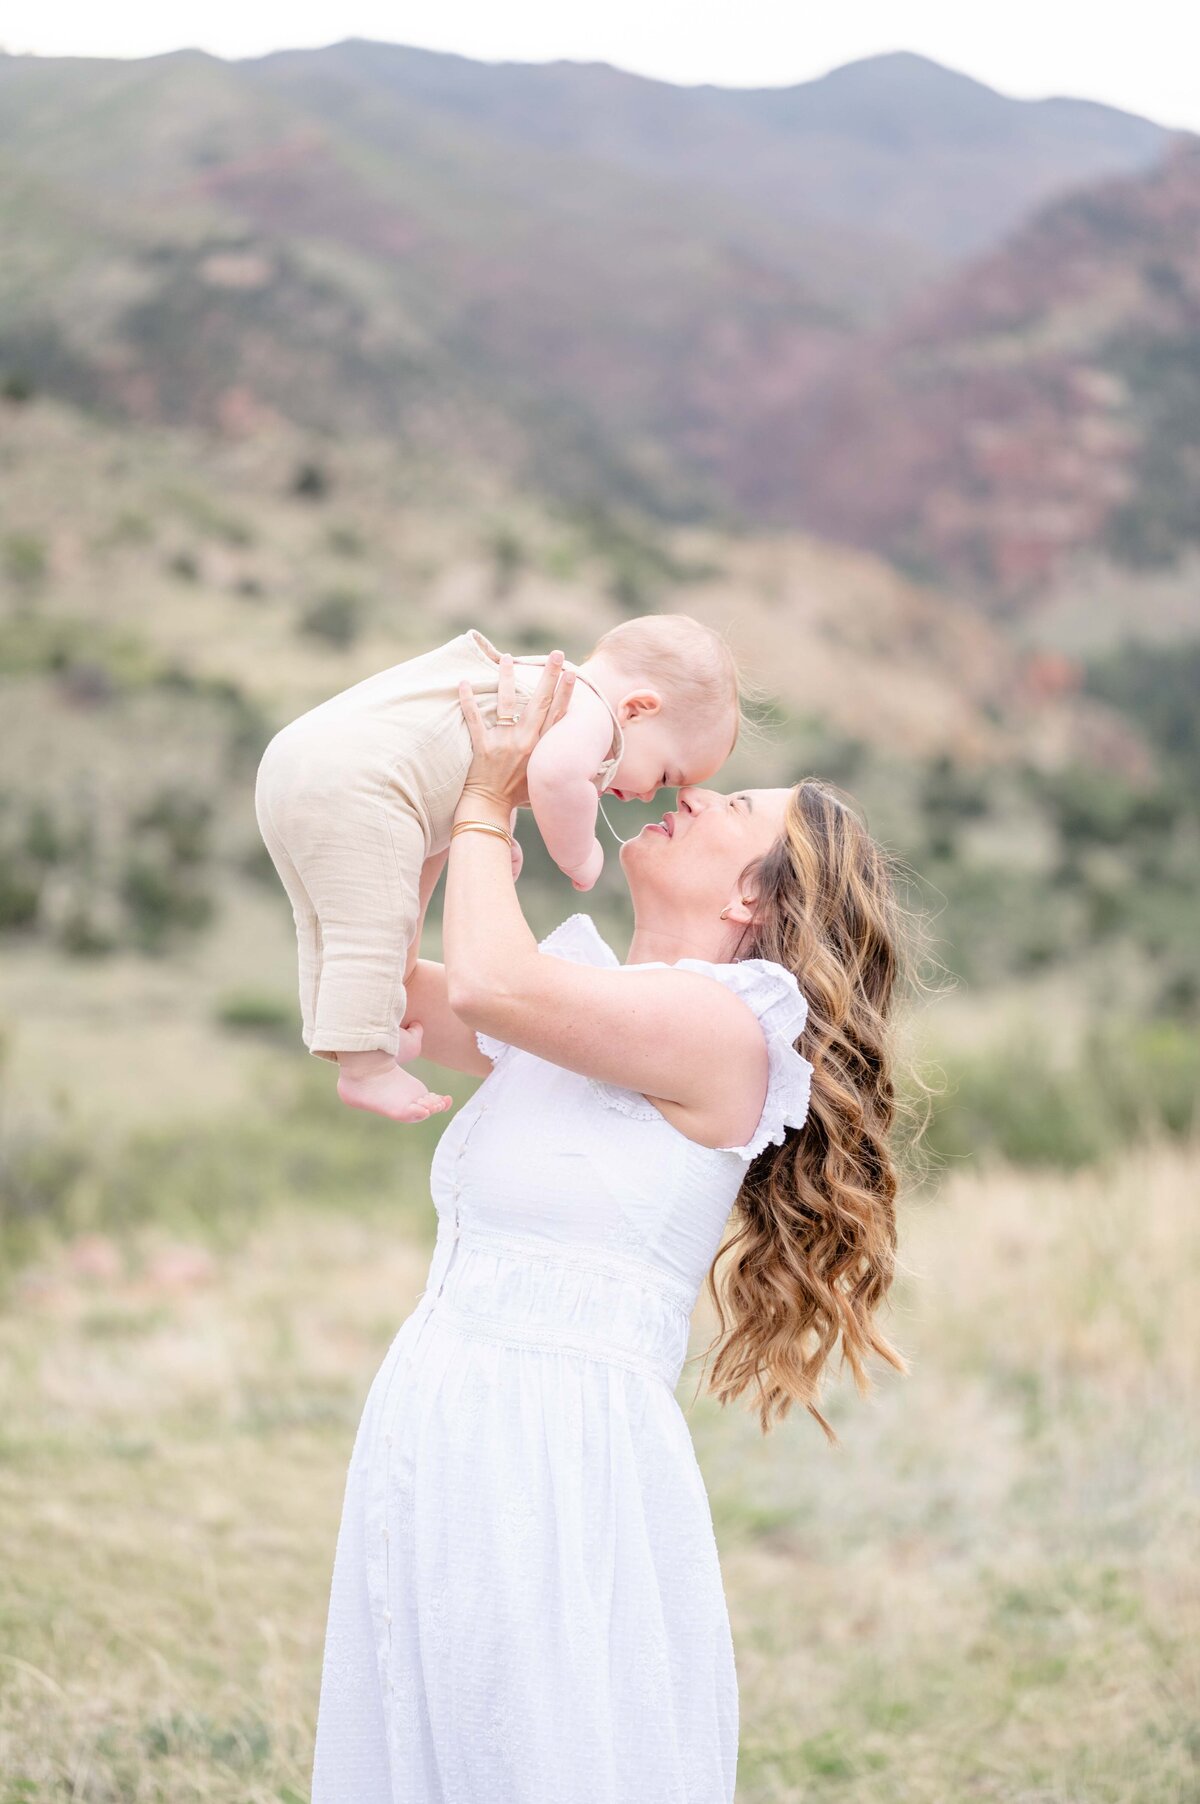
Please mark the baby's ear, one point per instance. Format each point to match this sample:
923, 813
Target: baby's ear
641, 701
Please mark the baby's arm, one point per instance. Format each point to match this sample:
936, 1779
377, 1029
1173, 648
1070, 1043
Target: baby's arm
562, 795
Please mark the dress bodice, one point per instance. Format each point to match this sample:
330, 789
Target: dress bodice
546, 1166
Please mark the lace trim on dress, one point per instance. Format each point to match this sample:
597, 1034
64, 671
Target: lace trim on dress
491, 1048
626, 1102
578, 936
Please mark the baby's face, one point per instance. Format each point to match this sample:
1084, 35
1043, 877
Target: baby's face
660, 754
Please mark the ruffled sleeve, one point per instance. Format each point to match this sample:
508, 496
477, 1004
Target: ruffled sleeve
776, 998
773, 993
577, 939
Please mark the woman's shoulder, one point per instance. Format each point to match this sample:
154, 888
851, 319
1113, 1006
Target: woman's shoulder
774, 994
770, 989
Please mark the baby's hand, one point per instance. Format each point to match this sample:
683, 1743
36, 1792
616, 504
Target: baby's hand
590, 869
518, 859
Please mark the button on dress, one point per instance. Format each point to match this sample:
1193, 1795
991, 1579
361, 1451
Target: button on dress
527, 1604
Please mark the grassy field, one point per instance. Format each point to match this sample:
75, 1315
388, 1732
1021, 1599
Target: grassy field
990, 1592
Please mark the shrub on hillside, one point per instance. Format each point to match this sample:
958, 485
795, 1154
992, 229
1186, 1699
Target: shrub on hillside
336, 617
20, 896
159, 899
311, 481
214, 1176
254, 1011
508, 557
185, 565
1158, 685
81, 935
181, 820
17, 387
24, 560
1015, 1102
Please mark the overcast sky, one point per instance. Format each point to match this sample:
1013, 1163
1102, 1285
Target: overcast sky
1144, 57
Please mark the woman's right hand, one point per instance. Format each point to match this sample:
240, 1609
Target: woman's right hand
497, 775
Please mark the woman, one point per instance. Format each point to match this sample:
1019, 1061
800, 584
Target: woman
527, 1605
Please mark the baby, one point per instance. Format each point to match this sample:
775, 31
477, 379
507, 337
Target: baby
356, 798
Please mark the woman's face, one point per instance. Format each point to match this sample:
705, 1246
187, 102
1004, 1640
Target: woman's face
691, 862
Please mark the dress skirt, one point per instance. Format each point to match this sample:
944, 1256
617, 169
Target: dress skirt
527, 1604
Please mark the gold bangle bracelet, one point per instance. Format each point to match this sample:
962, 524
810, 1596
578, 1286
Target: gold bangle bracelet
480, 827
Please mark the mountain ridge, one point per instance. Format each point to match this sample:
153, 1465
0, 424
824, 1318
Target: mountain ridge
322, 235
1043, 399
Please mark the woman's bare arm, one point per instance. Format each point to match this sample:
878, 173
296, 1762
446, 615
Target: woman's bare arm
446, 1039
680, 1038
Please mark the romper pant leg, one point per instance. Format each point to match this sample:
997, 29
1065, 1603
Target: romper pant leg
361, 865
308, 927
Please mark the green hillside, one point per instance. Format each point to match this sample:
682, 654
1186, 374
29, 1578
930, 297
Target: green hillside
167, 601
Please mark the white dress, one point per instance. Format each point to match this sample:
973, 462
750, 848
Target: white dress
527, 1604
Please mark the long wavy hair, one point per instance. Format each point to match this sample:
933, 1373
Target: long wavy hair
813, 1252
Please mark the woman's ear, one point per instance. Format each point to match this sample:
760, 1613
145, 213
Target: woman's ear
639, 703
740, 911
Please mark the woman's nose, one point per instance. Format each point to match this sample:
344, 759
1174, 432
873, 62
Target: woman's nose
692, 798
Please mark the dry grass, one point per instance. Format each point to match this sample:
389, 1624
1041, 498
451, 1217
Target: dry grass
989, 1593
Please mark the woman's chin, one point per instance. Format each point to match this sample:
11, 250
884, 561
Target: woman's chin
631, 850
634, 850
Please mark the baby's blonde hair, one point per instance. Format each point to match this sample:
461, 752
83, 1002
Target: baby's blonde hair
692, 662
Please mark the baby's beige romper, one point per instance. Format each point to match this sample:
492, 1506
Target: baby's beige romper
351, 799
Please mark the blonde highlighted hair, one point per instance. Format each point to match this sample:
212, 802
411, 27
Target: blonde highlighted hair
693, 663
813, 1253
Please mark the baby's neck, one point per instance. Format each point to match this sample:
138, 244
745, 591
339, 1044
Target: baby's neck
608, 678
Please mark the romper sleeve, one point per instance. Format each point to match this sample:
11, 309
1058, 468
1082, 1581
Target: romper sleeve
773, 993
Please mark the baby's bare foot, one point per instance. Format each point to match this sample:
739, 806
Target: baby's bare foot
395, 1093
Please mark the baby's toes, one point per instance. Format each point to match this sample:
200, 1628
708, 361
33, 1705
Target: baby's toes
422, 1109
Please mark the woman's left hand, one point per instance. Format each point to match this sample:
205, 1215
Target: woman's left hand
497, 772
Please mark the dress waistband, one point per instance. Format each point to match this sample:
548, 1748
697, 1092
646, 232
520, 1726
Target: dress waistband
525, 1290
